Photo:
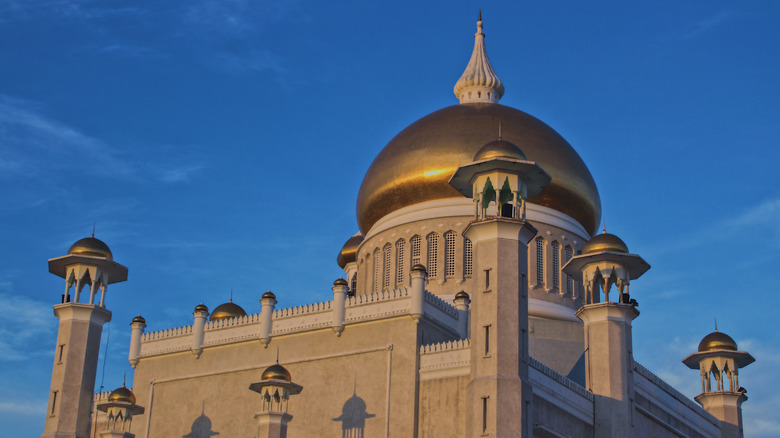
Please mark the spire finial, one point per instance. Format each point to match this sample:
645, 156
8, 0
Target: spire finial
93, 229
277, 355
716, 324
604, 230
480, 14
124, 380
499, 129
231, 294
479, 83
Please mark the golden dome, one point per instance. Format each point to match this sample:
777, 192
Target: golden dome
89, 246
139, 318
226, 311
417, 164
122, 395
717, 341
277, 372
340, 282
605, 242
499, 149
348, 251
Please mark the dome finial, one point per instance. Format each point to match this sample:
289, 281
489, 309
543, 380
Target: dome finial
499, 129
479, 83
93, 229
716, 324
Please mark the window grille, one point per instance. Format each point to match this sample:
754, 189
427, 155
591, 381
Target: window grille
539, 260
433, 250
556, 263
353, 286
386, 265
415, 250
400, 248
468, 257
568, 252
449, 253
377, 272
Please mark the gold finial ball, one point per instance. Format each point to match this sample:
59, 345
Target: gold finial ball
270, 295
140, 319
227, 311
717, 341
202, 308
605, 242
122, 395
462, 295
499, 149
90, 246
276, 372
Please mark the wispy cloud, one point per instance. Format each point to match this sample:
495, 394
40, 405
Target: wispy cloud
11, 10
703, 26
34, 316
34, 145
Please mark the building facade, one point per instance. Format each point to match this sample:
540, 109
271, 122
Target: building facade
478, 299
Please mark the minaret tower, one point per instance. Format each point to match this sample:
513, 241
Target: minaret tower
499, 180
719, 358
88, 269
275, 387
609, 371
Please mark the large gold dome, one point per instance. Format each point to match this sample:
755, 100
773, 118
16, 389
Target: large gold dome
417, 164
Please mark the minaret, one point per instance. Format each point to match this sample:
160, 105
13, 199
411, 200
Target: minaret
609, 371
275, 387
479, 83
89, 263
719, 358
120, 409
498, 393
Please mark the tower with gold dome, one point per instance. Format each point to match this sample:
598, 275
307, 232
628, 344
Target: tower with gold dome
477, 299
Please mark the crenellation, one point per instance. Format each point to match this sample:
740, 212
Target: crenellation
440, 304
563, 380
457, 344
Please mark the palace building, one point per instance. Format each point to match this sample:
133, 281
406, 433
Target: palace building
479, 299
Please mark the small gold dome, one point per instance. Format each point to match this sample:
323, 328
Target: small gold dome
417, 164
122, 395
340, 282
139, 318
605, 242
499, 149
461, 295
277, 372
90, 246
270, 295
349, 250
419, 267
226, 311
202, 308
717, 341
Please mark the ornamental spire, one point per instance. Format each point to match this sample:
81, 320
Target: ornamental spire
479, 83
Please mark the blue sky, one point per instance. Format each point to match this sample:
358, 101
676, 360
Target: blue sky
220, 146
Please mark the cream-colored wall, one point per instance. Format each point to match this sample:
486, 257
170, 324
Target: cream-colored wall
331, 370
443, 407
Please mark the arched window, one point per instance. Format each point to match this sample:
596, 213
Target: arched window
468, 257
556, 264
449, 253
415, 241
433, 252
400, 249
539, 260
568, 253
386, 266
377, 271
353, 285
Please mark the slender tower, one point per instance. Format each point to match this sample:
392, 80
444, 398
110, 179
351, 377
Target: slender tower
498, 393
609, 368
275, 388
719, 358
88, 269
